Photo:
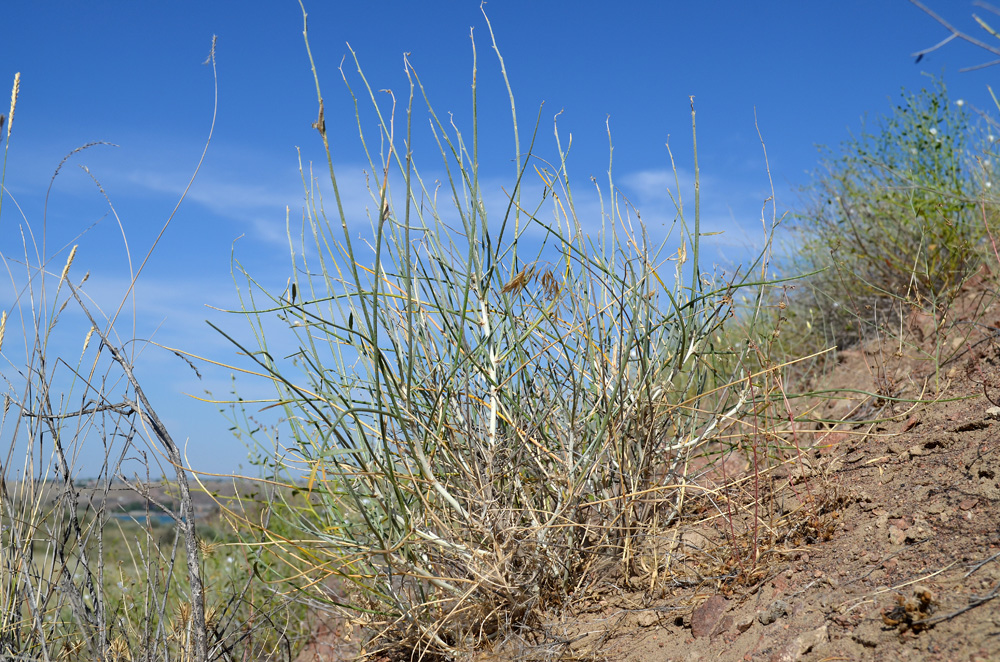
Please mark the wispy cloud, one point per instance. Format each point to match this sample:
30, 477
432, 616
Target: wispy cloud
732, 208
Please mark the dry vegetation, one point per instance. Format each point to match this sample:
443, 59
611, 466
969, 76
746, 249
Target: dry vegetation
496, 415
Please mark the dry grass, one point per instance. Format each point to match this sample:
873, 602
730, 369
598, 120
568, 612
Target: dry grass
486, 405
492, 414
74, 582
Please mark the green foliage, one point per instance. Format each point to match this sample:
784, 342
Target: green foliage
894, 217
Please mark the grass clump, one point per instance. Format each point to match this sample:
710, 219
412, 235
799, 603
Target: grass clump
487, 404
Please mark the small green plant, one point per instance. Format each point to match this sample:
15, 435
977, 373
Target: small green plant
482, 403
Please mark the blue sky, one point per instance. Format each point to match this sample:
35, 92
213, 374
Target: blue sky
132, 74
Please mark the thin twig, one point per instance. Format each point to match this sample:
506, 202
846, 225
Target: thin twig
980, 565
976, 601
955, 34
122, 408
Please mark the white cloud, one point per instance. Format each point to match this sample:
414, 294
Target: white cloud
729, 207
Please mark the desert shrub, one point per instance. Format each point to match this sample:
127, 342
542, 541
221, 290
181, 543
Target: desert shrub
484, 402
893, 220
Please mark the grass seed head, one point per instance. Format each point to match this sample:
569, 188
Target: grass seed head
69, 263
13, 101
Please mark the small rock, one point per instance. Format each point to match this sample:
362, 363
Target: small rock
776, 610
800, 645
900, 523
993, 412
896, 535
813, 638
968, 504
706, 615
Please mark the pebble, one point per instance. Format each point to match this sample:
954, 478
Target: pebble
800, 645
776, 610
706, 616
968, 504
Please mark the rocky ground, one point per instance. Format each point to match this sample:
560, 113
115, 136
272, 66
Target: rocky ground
894, 551
911, 570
